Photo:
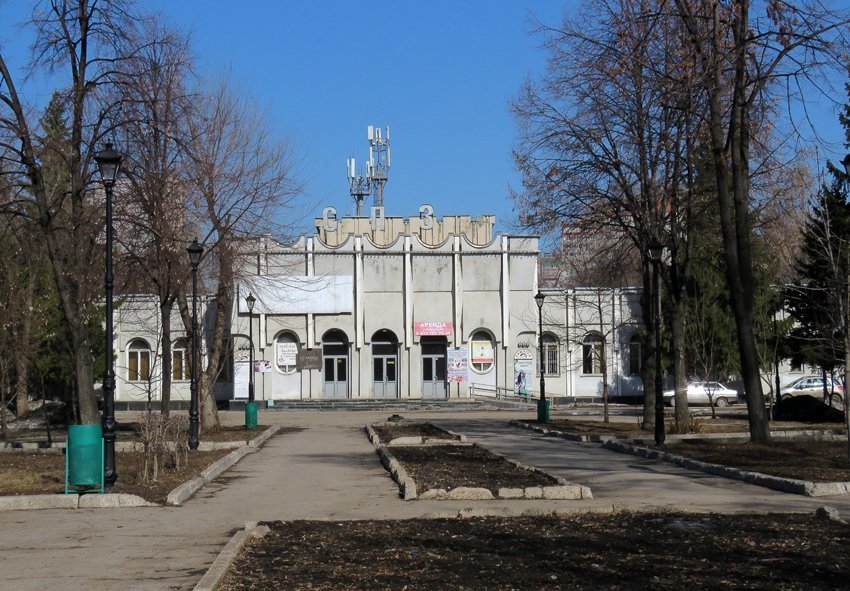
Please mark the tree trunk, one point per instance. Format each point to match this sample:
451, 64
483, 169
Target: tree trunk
165, 392
680, 377
648, 350
22, 350
733, 202
84, 376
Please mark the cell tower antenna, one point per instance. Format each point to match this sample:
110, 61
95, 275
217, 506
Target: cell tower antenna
358, 185
378, 167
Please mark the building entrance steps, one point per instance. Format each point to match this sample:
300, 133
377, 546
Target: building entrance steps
329, 470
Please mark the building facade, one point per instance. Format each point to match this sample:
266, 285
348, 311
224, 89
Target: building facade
391, 307
398, 308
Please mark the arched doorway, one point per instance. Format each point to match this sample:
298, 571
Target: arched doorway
384, 364
433, 367
335, 363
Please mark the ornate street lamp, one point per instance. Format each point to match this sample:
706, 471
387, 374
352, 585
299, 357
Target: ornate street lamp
250, 408
196, 251
655, 250
542, 406
108, 165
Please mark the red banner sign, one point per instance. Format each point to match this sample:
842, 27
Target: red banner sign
432, 329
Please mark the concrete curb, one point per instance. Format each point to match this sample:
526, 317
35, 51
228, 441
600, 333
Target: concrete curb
8, 447
72, 501
789, 485
117, 500
458, 438
407, 487
786, 434
215, 573
182, 493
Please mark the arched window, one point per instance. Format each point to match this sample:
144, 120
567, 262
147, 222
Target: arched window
592, 351
286, 352
635, 357
482, 352
551, 355
180, 360
138, 361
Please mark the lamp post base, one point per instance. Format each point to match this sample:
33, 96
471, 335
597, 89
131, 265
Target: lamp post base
543, 411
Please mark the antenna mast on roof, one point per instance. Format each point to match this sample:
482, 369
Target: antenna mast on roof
363, 183
358, 185
378, 167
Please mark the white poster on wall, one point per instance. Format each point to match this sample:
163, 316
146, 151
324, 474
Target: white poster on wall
287, 353
457, 365
241, 375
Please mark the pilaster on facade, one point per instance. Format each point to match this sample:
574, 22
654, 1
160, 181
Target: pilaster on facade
359, 306
505, 294
457, 292
407, 296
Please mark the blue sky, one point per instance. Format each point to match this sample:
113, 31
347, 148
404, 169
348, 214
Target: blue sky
439, 73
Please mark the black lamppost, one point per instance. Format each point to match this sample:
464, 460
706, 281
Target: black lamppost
542, 407
250, 407
195, 251
655, 251
846, 163
108, 164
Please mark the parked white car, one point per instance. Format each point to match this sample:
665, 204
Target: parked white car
813, 386
704, 393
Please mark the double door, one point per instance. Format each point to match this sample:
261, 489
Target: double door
433, 369
384, 372
336, 376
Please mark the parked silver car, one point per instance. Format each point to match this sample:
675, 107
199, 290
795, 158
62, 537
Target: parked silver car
813, 386
705, 393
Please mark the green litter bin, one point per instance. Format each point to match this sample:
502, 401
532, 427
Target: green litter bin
250, 415
84, 457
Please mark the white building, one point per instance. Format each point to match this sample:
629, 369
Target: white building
399, 308
396, 308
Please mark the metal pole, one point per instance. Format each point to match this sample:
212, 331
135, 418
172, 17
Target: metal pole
776, 401
194, 423
251, 357
542, 414
108, 419
659, 396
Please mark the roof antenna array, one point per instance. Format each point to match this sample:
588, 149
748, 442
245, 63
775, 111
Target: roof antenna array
358, 185
377, 170
378, 167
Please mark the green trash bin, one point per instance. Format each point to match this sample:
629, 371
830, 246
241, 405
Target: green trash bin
84, 457
250, 415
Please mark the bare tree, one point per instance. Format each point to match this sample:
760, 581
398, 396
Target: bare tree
604, 137
86, 38
152, 207
738, 61
241, 183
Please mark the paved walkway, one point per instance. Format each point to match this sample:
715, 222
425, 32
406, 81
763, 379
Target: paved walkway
330, 471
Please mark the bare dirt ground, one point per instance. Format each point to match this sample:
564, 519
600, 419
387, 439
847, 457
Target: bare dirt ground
25, 473
387, 433
619, 551
813, 461
452, 466
35, 473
